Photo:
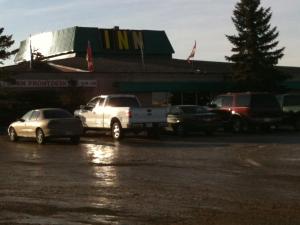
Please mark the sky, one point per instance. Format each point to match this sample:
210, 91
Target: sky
184, 21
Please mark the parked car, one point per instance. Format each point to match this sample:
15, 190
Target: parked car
224, 115
120, 113
290, 105
187, 118
45, 123
250, 110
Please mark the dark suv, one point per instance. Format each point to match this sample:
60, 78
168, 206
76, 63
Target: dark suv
250, 110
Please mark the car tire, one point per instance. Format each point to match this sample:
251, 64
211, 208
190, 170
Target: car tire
116, 130
13, 135
75, 140
40, 136
237, 125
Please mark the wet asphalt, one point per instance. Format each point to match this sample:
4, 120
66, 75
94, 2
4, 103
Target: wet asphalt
223, 179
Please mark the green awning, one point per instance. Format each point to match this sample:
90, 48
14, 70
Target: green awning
293, 85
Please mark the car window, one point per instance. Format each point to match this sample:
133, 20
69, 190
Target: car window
34, 116
217, 102
242, 100
92, 103
264, 101
56, 114
202, 109
174, 110
291, 100
190, 109
123, 102
27, 116
227, 101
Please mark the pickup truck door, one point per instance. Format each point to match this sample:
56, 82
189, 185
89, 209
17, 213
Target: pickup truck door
89, 113
94, 117
87, 117
98, 116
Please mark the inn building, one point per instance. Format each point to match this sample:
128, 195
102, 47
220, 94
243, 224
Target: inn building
125, 61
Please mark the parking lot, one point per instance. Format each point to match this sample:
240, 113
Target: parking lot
221, 179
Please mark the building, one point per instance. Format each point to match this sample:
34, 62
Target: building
125, 61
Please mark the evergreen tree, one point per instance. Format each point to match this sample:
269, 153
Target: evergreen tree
255, 51
5, 43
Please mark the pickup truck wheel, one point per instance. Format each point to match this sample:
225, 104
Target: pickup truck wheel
116, 130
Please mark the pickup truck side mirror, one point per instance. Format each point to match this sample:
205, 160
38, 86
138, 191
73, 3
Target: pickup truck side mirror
21, 120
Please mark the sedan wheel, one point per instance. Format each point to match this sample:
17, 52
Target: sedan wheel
13, 135
116, 130
40, 137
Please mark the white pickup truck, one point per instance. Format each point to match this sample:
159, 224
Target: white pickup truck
121, 113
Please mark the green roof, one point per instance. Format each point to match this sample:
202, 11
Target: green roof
103, 42
293, 85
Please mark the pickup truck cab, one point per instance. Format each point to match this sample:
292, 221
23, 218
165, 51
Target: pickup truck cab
120, 113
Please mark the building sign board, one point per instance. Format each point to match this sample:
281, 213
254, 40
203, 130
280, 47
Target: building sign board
48, 83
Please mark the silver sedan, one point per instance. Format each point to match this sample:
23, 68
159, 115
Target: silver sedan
42, 124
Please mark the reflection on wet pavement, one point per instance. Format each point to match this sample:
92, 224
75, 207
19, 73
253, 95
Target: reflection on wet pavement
198, 180
102, 158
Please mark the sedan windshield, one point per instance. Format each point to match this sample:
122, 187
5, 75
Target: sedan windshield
56, 114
